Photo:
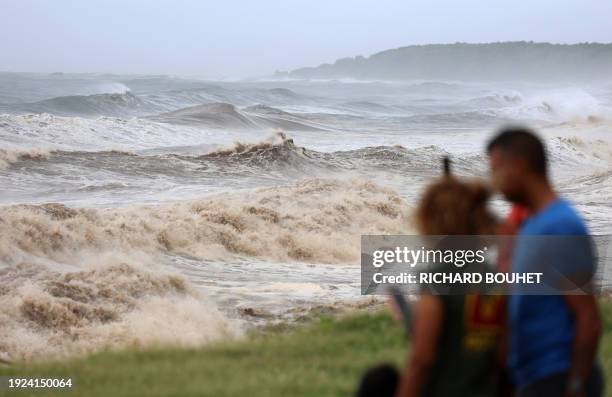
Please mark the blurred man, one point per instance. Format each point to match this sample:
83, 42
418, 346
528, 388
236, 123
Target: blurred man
553, 338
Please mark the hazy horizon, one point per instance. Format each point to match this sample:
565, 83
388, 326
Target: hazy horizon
239, 39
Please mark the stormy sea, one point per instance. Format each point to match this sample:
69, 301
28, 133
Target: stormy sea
144, 210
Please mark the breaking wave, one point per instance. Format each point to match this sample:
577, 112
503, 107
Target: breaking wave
570, 150
50, 314
316, 220
80, 280
279, 155
276, 149
11, 156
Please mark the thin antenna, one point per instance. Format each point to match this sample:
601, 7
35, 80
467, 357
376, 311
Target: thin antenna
446, 165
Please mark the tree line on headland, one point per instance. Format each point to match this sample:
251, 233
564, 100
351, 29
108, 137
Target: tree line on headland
506, 61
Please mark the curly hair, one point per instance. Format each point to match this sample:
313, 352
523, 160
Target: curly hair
453, 207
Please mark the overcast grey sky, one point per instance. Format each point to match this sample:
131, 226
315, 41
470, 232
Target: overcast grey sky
241, 38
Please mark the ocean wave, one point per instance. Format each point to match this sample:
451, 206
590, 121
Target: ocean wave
369, 107
496, 100
315, 220
11, 156
77, 280
278, 152
87, 134
276, 147
269, 117
559, 106
497, 110
483, 117
278, 155
49, 314
108, 104
226, 115
269, 96
216, 115
272, 161
569, 150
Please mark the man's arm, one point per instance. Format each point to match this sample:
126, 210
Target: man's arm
588, 330
429, 316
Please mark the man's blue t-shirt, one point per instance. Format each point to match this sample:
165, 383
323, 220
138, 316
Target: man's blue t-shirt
542, 327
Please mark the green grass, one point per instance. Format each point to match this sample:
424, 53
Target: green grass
322, 358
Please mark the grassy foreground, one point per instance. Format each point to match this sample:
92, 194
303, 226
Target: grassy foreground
323, 358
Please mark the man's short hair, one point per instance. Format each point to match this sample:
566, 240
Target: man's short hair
522, 143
